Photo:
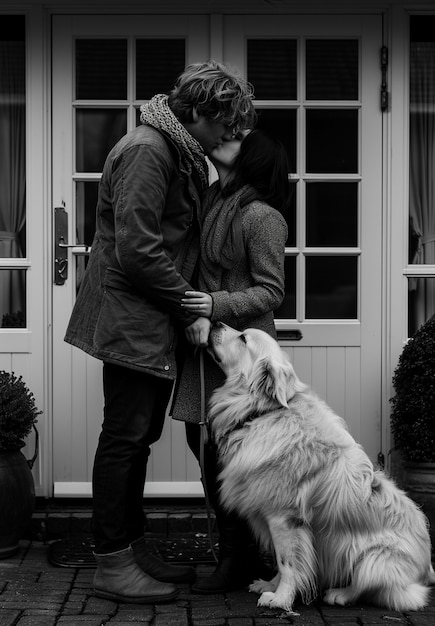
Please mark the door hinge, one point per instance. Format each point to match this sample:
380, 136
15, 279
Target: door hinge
384, 88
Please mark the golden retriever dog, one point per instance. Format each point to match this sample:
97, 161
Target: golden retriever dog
292, 469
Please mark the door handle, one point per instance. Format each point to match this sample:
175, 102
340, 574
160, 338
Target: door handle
61, 246
60, 269
77, 248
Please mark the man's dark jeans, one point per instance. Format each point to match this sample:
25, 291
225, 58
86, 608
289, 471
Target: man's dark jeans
134, 415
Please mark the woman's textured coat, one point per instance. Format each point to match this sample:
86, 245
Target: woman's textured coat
243, 296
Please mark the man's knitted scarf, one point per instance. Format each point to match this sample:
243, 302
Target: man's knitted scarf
157, 113
222, 245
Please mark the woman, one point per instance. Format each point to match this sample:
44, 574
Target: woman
241, 283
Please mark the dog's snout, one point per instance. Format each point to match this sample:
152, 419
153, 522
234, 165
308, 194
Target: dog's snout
215, 335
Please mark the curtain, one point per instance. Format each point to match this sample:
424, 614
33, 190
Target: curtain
422, 178
12, 179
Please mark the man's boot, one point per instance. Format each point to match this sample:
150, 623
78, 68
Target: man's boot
119, 578
157, 568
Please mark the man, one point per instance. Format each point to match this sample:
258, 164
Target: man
128, 310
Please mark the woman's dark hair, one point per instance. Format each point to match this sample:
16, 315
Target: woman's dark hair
262, 163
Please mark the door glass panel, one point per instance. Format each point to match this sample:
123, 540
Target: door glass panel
281, 123
272, 68
97, 131
12, 168
421, 249
290, 216
12, 137
101, 69
332, 141
158, 63
331, 287
86, 202
332, 214
332, 69
420, 290
287, 310
12, 298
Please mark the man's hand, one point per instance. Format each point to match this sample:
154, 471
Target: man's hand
197, 333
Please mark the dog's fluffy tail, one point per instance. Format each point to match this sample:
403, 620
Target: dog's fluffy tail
411, 598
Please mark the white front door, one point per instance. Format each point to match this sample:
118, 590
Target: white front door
317, 87
103, 69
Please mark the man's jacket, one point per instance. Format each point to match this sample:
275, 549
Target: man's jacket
128, 308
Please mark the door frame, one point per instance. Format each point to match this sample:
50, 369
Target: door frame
30, 351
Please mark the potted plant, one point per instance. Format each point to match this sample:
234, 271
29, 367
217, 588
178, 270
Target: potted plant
18, 416
413, 417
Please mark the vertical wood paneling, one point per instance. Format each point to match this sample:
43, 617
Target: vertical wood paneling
334, 373
318, 368
80, 405
5, 361
335, 379
94, 409
352, 384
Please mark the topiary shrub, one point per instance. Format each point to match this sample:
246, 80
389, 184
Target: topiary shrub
413, 405
18, 413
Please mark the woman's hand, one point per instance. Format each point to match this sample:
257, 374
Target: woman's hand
198, 302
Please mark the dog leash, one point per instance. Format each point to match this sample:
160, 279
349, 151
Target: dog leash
203, 424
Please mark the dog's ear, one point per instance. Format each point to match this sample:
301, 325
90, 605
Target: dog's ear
275, 380
294, 385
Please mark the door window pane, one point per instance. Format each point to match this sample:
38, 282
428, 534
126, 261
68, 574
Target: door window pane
12, 298
421, 302
86, 203
421, 166
290, 216
332, 69
12, 168
287, 310
332, 141
12, 137
97, 131
331, 287
158, 64
101, 69
272, 68
332, 214
281, 123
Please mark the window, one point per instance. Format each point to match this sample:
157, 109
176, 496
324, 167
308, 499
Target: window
113, 77
421, 249
308, 94
12, 171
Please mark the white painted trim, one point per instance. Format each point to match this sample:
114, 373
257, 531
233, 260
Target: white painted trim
16, 340
422, 271
152, 490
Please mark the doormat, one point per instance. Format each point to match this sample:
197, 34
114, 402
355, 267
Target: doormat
78, 551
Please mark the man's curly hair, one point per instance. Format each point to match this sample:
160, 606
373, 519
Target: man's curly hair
216, 92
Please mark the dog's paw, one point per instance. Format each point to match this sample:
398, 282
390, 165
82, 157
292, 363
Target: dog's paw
260, 586
266, 599
272, 601
336, 596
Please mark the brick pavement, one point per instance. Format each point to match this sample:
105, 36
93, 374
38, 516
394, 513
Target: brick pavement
35, 593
